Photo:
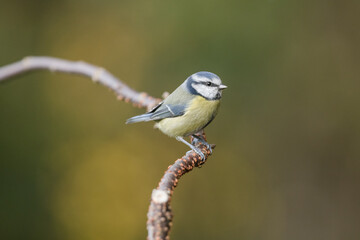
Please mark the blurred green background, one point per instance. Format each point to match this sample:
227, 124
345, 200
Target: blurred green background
286, 164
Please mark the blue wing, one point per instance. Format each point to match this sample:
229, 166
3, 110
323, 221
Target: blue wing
168, 111
159, 112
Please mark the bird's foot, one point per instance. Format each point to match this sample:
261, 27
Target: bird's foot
200, 139
195, 149
199, 152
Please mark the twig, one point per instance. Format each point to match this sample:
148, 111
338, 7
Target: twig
97, 74
159, 214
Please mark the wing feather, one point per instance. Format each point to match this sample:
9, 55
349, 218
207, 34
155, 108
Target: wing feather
168, 111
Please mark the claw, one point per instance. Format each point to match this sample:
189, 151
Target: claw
208, 146
199, 152
199, 139
195, 149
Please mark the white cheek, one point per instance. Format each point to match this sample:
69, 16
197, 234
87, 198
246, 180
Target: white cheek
200, 88
205, 91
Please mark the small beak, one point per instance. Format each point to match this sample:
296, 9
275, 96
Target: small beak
221, 87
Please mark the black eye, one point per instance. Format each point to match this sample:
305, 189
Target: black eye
208, 84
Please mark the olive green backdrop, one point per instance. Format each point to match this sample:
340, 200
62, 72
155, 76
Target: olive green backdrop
287, 162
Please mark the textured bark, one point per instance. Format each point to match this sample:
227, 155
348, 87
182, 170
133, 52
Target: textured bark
159, 215
95, 73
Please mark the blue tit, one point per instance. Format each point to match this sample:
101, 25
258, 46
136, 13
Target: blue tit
187, 110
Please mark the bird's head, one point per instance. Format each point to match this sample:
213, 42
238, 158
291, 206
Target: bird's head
205, 84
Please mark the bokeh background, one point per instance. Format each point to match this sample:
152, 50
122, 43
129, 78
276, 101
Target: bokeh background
287, 162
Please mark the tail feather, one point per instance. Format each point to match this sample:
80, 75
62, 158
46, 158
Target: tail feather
140, 118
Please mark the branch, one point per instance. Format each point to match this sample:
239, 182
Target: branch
159, 214
97, 74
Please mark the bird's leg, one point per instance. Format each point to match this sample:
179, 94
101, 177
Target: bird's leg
199, 138
195, 149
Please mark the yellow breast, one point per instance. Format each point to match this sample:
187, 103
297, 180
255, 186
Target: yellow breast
196, 117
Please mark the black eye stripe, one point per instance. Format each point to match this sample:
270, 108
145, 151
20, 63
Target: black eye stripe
205, 83
212, 84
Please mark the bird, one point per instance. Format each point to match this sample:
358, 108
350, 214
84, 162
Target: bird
188, 109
